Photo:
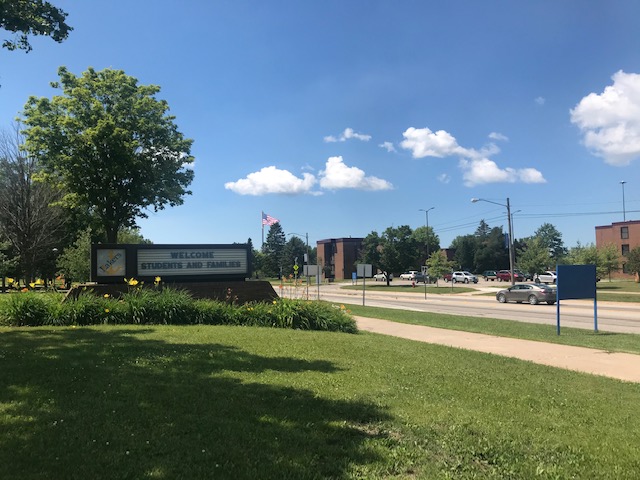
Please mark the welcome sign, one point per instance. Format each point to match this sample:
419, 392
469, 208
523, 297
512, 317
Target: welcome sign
114, 263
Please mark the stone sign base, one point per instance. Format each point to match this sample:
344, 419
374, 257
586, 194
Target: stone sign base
237, 291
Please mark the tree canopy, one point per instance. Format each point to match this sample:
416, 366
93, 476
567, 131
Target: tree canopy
112, 145
31, 17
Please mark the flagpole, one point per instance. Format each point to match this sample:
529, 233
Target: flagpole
261, 222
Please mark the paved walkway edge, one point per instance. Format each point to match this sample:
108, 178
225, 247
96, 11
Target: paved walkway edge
621, 366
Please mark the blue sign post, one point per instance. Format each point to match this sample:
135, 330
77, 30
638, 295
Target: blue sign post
576, 282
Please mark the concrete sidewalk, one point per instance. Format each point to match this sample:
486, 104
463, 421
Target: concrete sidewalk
622, 366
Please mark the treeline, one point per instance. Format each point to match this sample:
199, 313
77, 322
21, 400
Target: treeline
278, 256
400, 249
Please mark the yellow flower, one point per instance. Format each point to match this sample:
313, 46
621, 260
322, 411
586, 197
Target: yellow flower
274, 302
106, 310
9, 281
342, 307
39, 282
32, 284
106, 295
158, 280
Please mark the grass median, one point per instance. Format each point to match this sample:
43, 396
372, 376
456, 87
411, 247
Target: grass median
609, 341
201, 401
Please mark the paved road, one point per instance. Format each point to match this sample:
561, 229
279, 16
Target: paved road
612, 316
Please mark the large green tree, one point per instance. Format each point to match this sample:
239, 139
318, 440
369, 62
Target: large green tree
551, 238
439, 265
606, 258
110, 142
534, 256
633, 262
31, 17
426, 242
273, 249
491, 253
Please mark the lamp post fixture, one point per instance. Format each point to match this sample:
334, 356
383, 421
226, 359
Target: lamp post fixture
426, 216
306, 257
508, 206
624, 214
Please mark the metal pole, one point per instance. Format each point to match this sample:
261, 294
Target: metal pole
513, 281
307, 263
624, 214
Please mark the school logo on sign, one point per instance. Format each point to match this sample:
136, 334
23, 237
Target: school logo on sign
111, 262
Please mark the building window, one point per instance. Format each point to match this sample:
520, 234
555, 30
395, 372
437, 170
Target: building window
625, 248
625, 268
624, 232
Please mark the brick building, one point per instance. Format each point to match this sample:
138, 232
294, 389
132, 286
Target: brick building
625, 236
338, 257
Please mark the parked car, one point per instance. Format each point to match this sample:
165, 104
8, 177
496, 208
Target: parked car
546, 277
505, 276
526, 276
382, 277
489, 275
410, 275
463, 277
532, 293
447, 277
420, 278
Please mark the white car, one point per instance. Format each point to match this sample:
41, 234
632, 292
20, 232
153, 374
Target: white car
546, 277
382, 277
410, 275
463, 277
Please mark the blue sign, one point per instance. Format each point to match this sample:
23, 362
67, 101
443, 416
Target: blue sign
576, 282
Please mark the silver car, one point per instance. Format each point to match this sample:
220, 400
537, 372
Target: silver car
532, 293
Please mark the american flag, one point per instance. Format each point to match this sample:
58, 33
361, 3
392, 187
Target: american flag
268, 219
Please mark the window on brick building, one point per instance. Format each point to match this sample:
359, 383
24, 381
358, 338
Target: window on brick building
624, 232
625, 248
625, 268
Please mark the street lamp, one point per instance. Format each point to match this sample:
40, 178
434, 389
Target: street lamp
474, 200
426, 216
624, 214
306, 257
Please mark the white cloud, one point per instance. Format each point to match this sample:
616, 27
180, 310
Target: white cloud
424, 143
388, 146
498, 136
610, 121
477, 168
337, 175
346, 135
483, 170
272, 180
540, 100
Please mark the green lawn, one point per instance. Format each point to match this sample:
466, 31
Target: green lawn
609, 341
173, 402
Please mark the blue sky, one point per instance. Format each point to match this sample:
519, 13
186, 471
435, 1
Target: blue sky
344, 117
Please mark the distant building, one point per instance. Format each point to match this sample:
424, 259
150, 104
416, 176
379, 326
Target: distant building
338, 257
625, 236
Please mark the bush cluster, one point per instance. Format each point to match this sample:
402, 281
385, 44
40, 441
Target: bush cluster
169, 307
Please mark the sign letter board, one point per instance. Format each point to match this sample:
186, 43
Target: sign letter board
111, 263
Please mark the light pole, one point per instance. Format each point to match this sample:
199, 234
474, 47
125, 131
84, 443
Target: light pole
426, 216
624, 214
474, 200
306, 257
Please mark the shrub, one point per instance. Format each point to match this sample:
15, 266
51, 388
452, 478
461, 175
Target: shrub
169, 307
24, 309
